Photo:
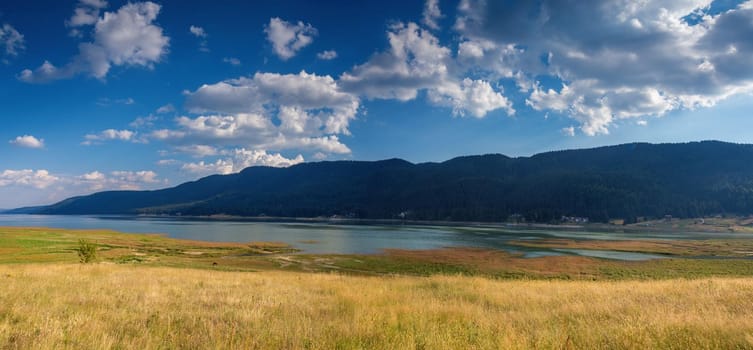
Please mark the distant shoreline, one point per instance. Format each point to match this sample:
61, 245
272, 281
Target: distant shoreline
736, 224
355, 221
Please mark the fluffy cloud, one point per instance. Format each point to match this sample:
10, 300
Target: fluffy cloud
115, 180
493, 61
94, 180
168, 108
216, 129
268, 111
127, 37
93, 176
616, 60
200, 33
476, 97
327, 55
143, 122
597, 108
197, 31
431, 14
134, 177
199, 151
239, 159
244, 158
40, 179
86, 13
568, 131
288, 38
277, 112
27, 141
249, 129
12, 40
245, 120
328, 144
110, 134
36, 187
416, 61
221, 166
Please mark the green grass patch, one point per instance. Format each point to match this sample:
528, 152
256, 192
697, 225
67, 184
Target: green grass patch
678, 268
381, 264
42, 245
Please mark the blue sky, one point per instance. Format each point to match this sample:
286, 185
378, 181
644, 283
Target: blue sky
98, 95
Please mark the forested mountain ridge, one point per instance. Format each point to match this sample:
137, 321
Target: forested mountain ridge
625, 181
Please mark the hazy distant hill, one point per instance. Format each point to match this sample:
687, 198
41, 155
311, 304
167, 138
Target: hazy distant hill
625, 181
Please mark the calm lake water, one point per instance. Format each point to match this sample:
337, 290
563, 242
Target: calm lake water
320, 238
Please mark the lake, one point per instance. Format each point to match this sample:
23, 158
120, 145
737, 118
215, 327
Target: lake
325, 238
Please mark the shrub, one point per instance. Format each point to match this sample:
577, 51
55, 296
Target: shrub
87, 251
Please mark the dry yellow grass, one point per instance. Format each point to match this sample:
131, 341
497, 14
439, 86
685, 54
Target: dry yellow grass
59, 306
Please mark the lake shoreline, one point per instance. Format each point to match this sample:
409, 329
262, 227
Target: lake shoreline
46, 245
741, 224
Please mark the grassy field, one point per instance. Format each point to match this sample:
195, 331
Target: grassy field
728, 248
730, 224
502, 265
153, 292
58, 306
42, 245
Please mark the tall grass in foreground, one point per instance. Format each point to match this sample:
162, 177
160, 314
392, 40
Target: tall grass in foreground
111, 306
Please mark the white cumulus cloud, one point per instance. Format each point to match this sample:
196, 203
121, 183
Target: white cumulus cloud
86, 13
198, 151
200, 33
239, 159
288, 38
616, 60
110, 134
168, 108
327, 55
311, 109
476, 97
27, 177
115, 180
28, 141
42, 187
417, 61
568, 131
127, 37
143, 122
431, 14
414, 61
11, 40
250, 120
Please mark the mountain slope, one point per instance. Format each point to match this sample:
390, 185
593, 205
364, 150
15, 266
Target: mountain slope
625, 181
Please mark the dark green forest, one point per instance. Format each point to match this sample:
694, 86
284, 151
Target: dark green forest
625, 181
